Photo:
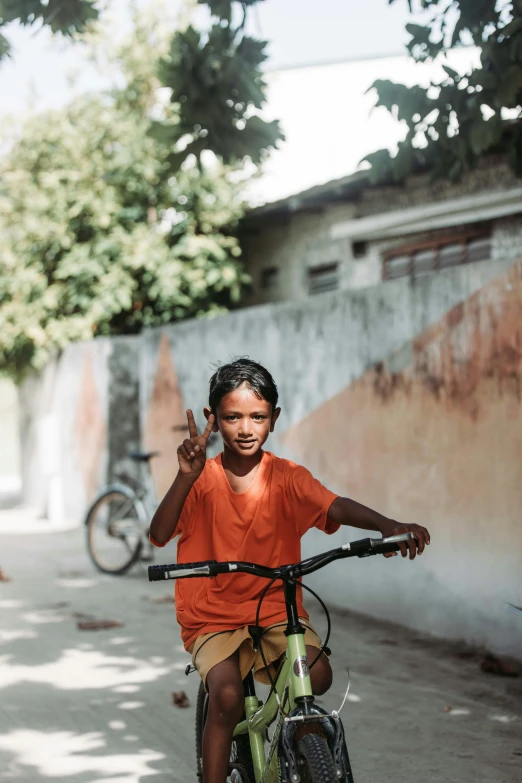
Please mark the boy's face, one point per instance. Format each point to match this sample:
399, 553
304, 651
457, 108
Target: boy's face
244, 421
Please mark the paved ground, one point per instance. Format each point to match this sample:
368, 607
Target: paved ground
85, 707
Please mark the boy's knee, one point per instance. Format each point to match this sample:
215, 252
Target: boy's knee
228, 701
321, 673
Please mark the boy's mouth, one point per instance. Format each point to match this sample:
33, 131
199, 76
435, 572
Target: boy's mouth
246, 444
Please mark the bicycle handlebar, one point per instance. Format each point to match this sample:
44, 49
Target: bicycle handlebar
365, 547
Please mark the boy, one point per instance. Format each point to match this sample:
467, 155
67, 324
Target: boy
246, 504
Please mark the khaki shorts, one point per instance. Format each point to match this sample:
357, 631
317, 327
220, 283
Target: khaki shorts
212, 648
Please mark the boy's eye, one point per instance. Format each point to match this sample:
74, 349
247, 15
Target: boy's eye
257, 417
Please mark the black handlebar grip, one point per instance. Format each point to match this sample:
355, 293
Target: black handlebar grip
380, 549
157, 573
181, 566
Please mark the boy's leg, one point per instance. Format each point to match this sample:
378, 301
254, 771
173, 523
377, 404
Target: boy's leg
275, 643
320, 673
225, 710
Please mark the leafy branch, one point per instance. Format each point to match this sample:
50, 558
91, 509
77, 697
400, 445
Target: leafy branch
456, 121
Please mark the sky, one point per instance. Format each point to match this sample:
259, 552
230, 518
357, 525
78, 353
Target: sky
329, 121
323, 57
300, 32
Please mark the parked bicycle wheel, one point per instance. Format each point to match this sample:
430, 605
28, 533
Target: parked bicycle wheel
241, 767
115, 525
318, 765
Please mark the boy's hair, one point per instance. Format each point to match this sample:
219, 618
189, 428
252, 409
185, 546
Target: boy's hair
231, 376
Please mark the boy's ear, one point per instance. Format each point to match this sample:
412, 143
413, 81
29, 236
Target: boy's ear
275, 416
207, 413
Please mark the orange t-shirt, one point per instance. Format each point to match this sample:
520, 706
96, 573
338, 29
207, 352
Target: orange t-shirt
262, 525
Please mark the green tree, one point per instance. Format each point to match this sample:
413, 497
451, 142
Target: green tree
452, 125
67, 17
217, 87
98, 234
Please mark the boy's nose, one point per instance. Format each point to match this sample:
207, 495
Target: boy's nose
244, 427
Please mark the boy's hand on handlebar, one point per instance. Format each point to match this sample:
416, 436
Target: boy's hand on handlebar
415, 546
192, 453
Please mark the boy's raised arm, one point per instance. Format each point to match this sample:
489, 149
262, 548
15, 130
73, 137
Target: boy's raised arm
192, 455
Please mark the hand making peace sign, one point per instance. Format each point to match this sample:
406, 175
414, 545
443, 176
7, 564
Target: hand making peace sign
193, 451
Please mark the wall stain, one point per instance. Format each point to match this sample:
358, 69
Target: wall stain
166, 421
90, 429
480, 338
386, 383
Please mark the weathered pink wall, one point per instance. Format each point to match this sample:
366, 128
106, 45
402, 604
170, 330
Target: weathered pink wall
405, 396
439, 442
165, 420
90, 428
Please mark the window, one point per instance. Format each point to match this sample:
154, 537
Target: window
323, 278
450, 255
425, 257
396, 266
269, 278
359, 249
479, 249
424, 261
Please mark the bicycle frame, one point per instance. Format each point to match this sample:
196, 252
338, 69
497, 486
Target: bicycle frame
292, 687
143, 488
144, 495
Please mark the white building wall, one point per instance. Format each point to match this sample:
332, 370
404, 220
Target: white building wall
305, 241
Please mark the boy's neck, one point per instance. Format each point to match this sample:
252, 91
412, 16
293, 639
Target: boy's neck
238, 464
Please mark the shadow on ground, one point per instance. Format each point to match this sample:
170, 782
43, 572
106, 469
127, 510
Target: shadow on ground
84, 706
96, 706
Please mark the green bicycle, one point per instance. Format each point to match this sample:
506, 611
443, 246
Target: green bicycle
307, 744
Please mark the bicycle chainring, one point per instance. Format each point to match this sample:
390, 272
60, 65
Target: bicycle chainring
238, 774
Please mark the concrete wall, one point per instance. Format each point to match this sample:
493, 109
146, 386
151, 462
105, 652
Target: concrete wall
10, 480
405, 396
67, 413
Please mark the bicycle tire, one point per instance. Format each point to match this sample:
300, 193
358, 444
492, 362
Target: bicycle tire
126, 498
240, 756
318, 765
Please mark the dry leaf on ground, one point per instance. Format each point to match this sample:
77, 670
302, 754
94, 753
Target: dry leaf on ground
180, 699
97, 625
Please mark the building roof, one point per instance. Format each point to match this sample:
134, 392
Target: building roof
342, 189
453, 207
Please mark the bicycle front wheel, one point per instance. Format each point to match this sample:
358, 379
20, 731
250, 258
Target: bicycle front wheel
114, 531
316, 760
